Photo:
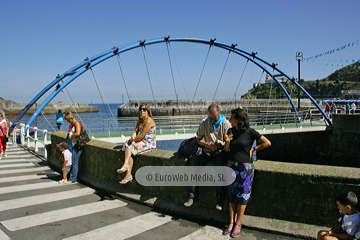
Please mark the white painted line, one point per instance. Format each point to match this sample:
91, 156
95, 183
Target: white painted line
16, 160
28, 177
3, 236
45, 198
205, 233
125, 229
34, 186
17, 165
60, 215
24, 170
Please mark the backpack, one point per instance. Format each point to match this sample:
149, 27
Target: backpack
188, 147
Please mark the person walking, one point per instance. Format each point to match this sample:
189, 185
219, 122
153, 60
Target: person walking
4, 135
239, 142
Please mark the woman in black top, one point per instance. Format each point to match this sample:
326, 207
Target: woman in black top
239, 141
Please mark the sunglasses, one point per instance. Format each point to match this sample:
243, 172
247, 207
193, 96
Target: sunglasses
142, 109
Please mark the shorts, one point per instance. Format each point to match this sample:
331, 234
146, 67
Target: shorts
67, 169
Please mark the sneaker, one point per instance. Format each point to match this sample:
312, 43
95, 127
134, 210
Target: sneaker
63, 181
189, 202
219, 203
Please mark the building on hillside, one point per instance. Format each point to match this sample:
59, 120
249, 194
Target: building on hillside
270, 80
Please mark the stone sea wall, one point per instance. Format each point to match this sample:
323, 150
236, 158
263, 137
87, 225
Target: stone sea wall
13, 108
199, 107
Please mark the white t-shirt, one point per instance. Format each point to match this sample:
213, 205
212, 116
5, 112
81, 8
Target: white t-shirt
351, 223
353, 106
67, 157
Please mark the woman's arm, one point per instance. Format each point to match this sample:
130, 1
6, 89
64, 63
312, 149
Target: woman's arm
77, 130
264, 144
149, 123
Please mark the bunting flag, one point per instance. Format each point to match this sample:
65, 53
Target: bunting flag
332, 51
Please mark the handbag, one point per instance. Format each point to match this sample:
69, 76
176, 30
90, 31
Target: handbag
83, 138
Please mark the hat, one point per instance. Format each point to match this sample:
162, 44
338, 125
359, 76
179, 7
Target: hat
62, 145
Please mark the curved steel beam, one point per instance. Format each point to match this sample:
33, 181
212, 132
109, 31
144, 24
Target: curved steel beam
82, 67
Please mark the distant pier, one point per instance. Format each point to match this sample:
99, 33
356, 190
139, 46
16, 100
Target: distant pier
199, 107
12, 108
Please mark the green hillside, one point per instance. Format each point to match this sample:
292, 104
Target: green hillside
346, 78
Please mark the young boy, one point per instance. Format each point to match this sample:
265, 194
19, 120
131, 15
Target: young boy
350, 224
66, 158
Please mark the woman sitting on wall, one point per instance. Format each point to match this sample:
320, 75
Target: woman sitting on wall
141, 141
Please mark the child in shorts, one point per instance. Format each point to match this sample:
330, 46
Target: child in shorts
349, 223
66, 157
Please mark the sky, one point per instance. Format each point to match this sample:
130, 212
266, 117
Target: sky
41, 39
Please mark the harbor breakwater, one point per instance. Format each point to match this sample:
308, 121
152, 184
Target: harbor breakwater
199, 107
12, 108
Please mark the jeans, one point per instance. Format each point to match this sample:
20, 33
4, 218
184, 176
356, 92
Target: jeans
219, 159
76, 152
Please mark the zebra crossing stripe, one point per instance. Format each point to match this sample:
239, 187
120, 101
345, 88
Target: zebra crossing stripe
28, 177
46, 198
205, 233
17, 160
60, 215
27, 187
17, 165
125, 229
3, 236
24, 170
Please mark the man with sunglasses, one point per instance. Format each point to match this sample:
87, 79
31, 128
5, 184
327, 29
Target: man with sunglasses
210, 137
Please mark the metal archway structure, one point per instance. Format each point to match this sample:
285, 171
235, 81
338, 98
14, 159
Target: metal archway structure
89, 63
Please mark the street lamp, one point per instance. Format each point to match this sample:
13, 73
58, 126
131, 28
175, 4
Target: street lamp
299, 57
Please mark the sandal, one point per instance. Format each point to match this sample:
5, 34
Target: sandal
125, 181
122, 170
227, 232
236, 234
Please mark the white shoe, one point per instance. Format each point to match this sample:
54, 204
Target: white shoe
63, 181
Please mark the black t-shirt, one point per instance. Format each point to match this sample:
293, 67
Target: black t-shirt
241, 144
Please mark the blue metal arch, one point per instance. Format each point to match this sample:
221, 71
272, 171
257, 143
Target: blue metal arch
88, 63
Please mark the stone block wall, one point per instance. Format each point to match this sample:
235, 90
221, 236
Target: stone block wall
294, 192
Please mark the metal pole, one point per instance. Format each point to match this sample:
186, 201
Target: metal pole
299, 84
299, 57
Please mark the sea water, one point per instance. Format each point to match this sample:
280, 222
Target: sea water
106, 111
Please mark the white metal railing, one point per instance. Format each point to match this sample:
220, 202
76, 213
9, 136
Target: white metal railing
188, 122
29, 139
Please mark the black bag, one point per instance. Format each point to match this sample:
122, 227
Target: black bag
188, 147
83, 138
6, 139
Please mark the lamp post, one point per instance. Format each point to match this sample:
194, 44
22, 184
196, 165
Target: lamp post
299, 57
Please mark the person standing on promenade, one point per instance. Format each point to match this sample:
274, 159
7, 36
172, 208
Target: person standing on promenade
349, 222
59, 119
353, 107
73, 132
238, 143
333, 108
327, 109
210, 137
4, 135
142, 140
347, 108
